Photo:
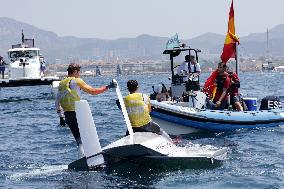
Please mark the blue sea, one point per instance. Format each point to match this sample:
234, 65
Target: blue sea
35, 150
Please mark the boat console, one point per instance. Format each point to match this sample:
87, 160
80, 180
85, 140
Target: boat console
178, 86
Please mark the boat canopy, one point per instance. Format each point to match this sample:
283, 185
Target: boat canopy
176, 51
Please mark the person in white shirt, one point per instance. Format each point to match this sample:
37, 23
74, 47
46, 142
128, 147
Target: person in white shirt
193, 75
182, 69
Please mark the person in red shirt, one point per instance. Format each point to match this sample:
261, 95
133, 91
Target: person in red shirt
234, 91
222, 83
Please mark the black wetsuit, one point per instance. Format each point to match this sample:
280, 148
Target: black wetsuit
150, 127
71, 121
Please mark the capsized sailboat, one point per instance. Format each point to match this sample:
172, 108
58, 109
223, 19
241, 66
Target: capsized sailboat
139, 147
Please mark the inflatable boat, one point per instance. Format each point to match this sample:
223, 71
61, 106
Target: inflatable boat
178, 118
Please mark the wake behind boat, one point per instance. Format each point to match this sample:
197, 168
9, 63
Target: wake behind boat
138, 147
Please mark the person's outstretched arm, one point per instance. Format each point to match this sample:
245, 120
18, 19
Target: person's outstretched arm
89, 89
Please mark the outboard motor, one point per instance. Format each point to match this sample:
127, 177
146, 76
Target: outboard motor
270, 102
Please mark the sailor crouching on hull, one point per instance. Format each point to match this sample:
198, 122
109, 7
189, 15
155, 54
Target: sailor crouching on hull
69, 92
138, 108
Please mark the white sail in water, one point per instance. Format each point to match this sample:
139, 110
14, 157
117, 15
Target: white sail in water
173, 42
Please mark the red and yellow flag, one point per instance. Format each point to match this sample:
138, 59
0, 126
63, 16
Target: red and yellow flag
229, 50
209, 88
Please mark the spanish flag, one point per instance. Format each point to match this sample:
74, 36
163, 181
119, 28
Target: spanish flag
229, 50
209, 87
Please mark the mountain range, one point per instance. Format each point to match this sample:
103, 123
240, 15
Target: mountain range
143, 47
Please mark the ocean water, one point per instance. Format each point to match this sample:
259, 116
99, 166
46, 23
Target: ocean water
35, 150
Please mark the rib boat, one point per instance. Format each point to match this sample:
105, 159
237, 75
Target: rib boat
178, 117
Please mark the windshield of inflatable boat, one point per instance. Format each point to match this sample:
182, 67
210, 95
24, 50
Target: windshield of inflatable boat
25, 53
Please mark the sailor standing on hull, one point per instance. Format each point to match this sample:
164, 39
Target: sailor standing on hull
69, 92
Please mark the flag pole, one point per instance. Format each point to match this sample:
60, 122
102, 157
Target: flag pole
237, 50
23, 37
237, 60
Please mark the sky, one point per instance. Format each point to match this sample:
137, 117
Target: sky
112, 19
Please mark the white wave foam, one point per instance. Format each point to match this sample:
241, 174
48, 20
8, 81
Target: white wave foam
45, 170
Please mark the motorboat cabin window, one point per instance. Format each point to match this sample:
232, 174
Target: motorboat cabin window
25, 54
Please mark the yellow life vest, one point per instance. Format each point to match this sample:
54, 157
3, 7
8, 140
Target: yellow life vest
69, 96
137, 108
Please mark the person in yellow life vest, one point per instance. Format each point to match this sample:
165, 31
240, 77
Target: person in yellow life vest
69, 91
138, 108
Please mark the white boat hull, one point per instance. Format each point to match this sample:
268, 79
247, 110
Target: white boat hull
174, 128
31, 71
137, 147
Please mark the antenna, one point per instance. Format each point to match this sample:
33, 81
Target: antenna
267, 44
23, 37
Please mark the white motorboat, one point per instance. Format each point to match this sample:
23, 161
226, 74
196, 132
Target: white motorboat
25, 66
279, 69
25, 63
137, 147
